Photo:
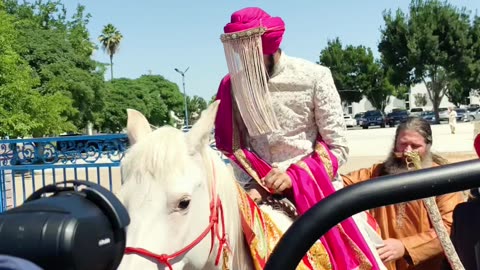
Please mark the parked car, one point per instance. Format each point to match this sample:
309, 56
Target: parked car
460, 114
372, 118
443, 114
429, 116
349, 120
396, 117
416, 112
358, 116
473, 113
186, 128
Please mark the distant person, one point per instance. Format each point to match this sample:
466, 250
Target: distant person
452, 119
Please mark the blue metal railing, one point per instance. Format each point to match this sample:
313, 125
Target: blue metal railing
28, 164
3, 192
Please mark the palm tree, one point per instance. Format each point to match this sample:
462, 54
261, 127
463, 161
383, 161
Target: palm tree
195, 106
110, 39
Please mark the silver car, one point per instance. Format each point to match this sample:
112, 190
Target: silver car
472, 114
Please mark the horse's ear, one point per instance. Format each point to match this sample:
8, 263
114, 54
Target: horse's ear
199, 135
137, 126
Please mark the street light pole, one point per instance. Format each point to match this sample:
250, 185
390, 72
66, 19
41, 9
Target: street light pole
184, 93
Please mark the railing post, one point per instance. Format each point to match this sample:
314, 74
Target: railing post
3, 200
6, 190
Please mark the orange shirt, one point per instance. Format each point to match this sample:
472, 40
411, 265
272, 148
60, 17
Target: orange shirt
409, 222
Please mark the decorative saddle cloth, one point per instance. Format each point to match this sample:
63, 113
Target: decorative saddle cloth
262, 235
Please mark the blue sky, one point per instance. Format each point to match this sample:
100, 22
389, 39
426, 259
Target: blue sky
160, 36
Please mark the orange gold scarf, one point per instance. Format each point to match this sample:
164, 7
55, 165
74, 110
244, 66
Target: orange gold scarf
262, 235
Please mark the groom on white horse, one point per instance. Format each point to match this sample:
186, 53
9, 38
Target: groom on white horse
281, 121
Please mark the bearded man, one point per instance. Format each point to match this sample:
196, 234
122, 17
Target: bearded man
280, 121
410, 241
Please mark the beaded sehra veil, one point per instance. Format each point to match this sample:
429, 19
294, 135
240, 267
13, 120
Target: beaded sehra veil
244, 55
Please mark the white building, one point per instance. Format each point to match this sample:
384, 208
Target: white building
474, 97
396, 103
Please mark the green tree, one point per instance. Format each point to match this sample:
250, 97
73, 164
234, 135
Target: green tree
420, 99
59, 52
356, 73
195, 106
377, 86
346, 64
150, 94
212, 99
24, 111
110, 40
431, 45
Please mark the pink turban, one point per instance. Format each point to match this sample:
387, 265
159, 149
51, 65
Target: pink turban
249, 18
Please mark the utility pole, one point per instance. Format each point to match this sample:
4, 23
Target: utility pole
184, 93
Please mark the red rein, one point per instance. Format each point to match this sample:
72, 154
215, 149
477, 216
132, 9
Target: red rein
216, 211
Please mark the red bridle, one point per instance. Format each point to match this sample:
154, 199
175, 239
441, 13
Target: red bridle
216, 211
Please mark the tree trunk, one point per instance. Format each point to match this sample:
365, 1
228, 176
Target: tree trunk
111, 67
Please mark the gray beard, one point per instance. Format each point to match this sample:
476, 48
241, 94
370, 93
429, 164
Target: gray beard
395, 165
270, 68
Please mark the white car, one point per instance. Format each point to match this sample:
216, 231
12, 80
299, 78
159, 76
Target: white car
349, 120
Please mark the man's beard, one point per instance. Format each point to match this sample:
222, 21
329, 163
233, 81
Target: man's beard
396, 165
270, 67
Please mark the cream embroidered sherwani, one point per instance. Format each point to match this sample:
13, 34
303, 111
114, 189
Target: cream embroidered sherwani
306, 103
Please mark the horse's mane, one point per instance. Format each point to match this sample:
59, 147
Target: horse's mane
153, 154
228, 192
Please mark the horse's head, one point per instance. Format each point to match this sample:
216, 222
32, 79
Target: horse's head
167, 192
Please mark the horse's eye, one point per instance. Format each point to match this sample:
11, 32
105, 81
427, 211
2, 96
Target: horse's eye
183, 204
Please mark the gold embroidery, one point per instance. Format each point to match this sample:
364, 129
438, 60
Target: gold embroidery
226, 259
240, 155
327, 162
318, 257
243, 202
401, 214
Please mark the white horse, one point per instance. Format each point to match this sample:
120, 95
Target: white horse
170, 180
173, 184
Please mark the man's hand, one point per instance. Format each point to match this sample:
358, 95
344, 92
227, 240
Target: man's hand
392, 250
277, 181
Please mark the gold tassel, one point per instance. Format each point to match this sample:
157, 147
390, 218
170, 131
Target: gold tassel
243, 51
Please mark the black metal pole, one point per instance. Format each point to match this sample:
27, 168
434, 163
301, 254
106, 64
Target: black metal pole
184, 94
185, 97
374, 193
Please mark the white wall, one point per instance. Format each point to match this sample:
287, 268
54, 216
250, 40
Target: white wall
365, 105
395, 103
421, 88
474, 97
